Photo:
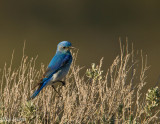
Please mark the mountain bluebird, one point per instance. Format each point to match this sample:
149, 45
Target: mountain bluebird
57, 68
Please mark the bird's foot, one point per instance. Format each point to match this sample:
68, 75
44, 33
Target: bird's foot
56, 91
63, 83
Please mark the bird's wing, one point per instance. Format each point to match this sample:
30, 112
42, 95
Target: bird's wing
58, 62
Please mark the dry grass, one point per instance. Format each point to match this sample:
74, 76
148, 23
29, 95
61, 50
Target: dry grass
95, 97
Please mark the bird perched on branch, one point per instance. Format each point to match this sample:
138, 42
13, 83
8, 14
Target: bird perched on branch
57, 68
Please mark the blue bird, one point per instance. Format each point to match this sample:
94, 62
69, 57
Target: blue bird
57, 68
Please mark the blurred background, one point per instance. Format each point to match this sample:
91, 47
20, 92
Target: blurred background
94, 27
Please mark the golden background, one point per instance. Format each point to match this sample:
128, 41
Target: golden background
94, 27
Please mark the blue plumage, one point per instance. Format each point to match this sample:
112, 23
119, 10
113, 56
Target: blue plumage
57, 68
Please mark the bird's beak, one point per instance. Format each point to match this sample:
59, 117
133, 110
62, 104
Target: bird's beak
72, 47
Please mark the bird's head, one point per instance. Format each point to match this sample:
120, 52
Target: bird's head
64, 46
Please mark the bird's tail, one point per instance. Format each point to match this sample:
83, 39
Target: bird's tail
41, 85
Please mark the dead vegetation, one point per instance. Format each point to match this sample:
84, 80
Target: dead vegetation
112, 97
